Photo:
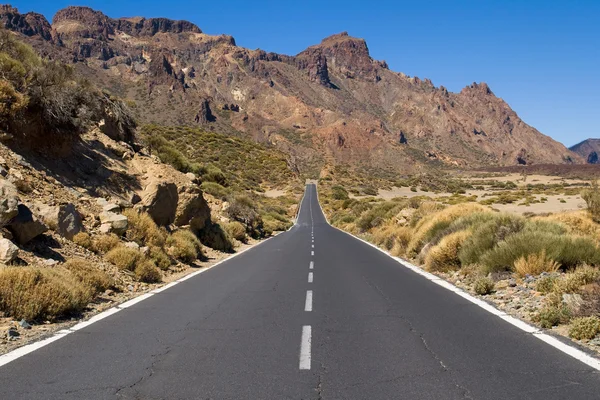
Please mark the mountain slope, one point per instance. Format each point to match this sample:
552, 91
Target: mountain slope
588, 150
331, 103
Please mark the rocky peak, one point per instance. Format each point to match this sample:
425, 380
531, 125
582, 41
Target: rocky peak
315, 63
84, 22
350, 56
477, 88
152, 26
30, 24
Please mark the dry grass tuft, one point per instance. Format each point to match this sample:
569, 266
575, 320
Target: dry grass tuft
94, 278
124, 258
37, 294
584, 328
184, 246
236, 230
535, 264
444, 256
160, 258
83, 239
105, 243
147, 272
143, 230
483, 286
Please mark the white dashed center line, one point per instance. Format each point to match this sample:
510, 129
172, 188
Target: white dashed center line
312, 253
308, 303
313, 246
310, 277
305, 347
312, 265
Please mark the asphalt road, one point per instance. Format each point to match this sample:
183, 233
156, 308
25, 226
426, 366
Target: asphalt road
248, 329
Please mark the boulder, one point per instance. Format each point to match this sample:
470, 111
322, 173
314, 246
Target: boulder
192, 210
113, 222
9, 201
64, 218
25, 226
8, 251
160, 200
111, 207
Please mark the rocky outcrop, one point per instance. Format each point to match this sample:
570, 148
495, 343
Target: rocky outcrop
26, 226
64, 219
160, 200
113, 222
205, 114
192, 209
152, 26
30, 24
315, 64
9, 202
8, 251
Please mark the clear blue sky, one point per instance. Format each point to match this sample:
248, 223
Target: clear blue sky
542, 57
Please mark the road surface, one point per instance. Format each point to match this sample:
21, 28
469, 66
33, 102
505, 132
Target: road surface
301, 318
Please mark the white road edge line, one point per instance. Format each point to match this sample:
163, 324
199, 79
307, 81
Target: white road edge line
305, 347
31, 347
310, 277
308, 303
311, 265
522, 325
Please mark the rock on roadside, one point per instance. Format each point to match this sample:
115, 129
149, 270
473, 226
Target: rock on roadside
8, 251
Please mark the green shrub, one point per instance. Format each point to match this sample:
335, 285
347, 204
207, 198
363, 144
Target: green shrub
339, 193
215, 237
566, 250
244, 210
592, 199
216, 190
236, 230
214, 174
552, 315
584, 328
546, 284
483, 286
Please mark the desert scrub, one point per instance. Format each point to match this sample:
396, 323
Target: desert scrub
552, 315
184, 246
483, 286
572, 281
216, 190
429, 226
37, 294
568, 251
147, 272
83, 239
546, 284
444, 256
160, 258
535, 264
143, 230
105, 243
124, 258
592, 199
94, 278
584, 328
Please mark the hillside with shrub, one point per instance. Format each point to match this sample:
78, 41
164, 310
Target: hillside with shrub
90, 216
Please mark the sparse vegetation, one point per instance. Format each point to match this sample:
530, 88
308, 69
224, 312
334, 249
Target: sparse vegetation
124, 258
584, 328
143, 230
483, 286
183, 245
147, 272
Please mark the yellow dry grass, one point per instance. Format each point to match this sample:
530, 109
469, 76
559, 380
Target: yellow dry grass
535, 264
444, 256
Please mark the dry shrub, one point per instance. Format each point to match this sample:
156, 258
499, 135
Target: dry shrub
592, 199
576, 222
39, 294
433, 224
83, 239
124, 257
535, 264
572, 281
160, 258
105, 243
143, 230
236, 230
184, 246
93, 277
483, 286
444, 256
584, 328
147, 272
552, 314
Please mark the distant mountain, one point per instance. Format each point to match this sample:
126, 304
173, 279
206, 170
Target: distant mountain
332, 103
589, 150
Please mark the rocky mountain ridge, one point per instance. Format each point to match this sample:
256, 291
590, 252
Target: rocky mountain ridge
589, 150
331, 103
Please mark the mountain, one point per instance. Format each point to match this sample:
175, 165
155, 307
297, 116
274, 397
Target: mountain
588, 149
330, 104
